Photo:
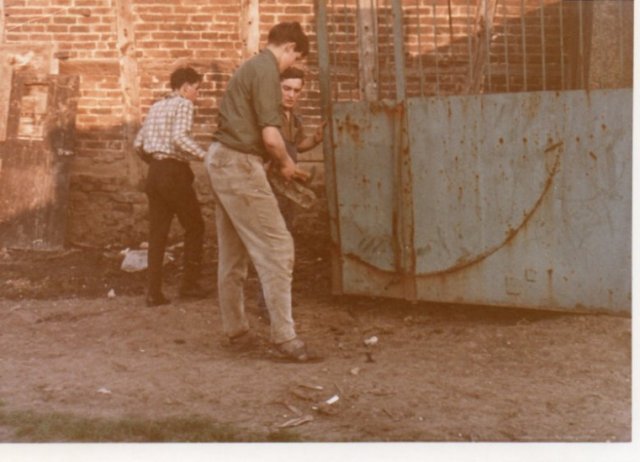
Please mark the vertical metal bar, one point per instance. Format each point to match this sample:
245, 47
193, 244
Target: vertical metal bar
338, 49
332, 65
621, 36
403, 228
505, 28
523, 30
488, 43
561, 6
451, 34
374, 9
435, 47
2, 22
581, 38
324, 75
402, 179
349, 62
420, 67
469, 39
543, 45
387, 66
398, 47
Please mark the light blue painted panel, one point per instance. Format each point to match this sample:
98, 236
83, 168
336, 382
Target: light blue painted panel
517, 199
363, 134
524, 199
479, 166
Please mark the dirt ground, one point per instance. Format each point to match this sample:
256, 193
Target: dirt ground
437, 372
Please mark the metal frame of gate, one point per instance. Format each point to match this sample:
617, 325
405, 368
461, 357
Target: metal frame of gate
564, 243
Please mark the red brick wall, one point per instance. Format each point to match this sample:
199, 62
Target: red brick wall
107, 208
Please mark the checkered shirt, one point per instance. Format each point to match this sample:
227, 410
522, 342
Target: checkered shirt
166, 132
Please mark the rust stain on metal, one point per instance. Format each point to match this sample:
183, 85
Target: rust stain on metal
397, 251
353, 129
394, 278
462, 263
553, 147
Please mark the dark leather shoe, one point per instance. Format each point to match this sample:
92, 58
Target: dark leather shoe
157, 300
194, 290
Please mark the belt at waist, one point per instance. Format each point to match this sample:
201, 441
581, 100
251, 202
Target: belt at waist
237, 151
163, 156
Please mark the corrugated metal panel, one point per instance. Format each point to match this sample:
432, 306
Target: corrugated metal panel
516, 199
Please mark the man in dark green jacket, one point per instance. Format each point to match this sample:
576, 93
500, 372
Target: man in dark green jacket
248, 221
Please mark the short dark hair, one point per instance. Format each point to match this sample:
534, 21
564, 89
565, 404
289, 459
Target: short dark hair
285, 32
292, 73
184, 75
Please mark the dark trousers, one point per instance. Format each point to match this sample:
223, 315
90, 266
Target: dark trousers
170, 192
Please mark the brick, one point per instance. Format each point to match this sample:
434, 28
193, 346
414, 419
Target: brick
64, 20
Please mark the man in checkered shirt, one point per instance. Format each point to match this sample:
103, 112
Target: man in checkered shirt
165, 142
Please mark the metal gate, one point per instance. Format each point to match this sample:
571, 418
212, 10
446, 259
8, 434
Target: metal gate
515, 198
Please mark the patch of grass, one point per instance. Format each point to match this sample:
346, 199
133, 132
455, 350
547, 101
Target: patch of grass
55, 427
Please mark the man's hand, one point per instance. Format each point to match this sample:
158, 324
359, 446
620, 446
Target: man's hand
276, 147
301, 175
319, 134
290, 171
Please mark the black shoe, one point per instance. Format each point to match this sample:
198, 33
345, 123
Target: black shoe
193, 290
157, 300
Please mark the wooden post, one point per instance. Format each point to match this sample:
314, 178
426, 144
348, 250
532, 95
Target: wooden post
5, 76
367, 50
398, 48
2, 22
250, 28
129, 83
482, 34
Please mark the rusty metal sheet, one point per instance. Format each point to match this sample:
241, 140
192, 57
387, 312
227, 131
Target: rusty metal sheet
524, 199
480, 165
519, 200
364, 158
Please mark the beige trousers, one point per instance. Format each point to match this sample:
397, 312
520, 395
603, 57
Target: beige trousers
250, 226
